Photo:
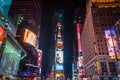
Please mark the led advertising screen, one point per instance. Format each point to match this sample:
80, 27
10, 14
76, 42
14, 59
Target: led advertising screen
59, 60
112, 45
10, 59
59, 57
78, 36
2, 33
30, 37
59, 66
80, 61
39, 57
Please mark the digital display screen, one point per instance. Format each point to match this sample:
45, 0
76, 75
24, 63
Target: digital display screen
112, 44
30, 37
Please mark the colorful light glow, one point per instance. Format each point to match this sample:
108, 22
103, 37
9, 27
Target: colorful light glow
30, 37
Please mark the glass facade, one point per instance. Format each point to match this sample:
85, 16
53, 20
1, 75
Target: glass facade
10, 58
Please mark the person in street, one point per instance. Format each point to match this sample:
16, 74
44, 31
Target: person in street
7, 78
1, 77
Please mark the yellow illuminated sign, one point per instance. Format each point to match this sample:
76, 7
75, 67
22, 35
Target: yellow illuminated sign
103, 1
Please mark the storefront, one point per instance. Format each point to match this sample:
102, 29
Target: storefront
11, 52
10, 58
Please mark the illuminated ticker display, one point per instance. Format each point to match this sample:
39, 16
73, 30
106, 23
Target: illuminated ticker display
107, 3
103, 1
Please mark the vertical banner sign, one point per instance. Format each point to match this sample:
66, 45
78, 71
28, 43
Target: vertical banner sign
39, 57
78, 36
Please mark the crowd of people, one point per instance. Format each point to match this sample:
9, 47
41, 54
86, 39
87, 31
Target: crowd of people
6, 78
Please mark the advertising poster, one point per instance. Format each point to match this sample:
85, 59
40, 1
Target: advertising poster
112, 45
39, 57
80, 61
59, 60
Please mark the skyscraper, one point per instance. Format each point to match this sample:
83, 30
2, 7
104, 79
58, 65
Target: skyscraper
101, 15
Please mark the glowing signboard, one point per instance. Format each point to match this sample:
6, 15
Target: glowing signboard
30, 37
112, 45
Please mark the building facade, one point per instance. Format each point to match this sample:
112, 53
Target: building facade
100, 16
11, 52
26, 15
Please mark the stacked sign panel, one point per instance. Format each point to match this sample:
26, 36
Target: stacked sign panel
80, 57
59, 45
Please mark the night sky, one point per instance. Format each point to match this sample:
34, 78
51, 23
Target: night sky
46, 29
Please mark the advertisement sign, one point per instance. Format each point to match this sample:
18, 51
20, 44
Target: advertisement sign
78, 36
2, 33
30, 37
112, 45
59, 57
59, 60
59, 66
39, 57
80, 61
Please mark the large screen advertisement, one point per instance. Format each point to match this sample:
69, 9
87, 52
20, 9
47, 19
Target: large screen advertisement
59, 60
80, 61
30, 37
39, 57
10, 59
112, 45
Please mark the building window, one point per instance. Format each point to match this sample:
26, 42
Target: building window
104, 68
112, 68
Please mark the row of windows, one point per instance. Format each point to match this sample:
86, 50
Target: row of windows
103, 53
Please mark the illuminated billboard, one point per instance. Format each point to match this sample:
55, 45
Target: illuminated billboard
59, 57
2, 33
78, 36
112, 45
39, 57
80, 61
30, 37
59, 60
59, 66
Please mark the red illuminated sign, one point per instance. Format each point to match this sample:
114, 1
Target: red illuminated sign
78, 36
59, 25
39, 57
2, 33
